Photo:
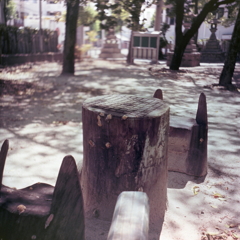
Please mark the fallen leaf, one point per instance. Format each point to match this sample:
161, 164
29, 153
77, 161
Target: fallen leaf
219, 196
213, 206
222, 199
235, 235
196, 190
212, 233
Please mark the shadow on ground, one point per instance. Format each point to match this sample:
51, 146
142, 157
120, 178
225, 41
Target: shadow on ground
40, 113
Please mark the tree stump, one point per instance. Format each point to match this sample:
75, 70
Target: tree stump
125, 141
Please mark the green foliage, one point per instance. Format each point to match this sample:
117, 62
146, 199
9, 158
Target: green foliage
10, 10
232, 14
112, 14
152, 20
95, 26
92, 36
86, 15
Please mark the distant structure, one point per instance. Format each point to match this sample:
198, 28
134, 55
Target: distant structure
110, 48
212, 52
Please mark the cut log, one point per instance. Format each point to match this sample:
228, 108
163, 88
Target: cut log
125, 141
131, 217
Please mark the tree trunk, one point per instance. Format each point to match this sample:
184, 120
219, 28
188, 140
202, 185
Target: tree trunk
130, 55
177, 57
125, 140
229, 65
70, 36
196, 12
179, 48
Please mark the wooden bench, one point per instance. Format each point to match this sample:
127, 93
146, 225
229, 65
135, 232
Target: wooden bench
187, 142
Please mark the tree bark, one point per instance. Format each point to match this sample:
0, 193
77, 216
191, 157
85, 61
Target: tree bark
229, 65
179, 48
70, 36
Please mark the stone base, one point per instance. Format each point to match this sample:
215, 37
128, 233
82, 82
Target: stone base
110, 50
106, 55
212, 57
188, 60
111, 53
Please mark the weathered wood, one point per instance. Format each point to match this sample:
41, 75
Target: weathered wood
158, 94
196, 163
125, 149
36, 212
188, 142
23, 212
67, 205
201, 116
131, 217
3, 155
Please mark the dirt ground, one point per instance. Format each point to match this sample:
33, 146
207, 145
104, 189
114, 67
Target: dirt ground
40, 114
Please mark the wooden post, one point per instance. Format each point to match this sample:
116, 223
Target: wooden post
197, 156
158, 94
188, 142
3, 156
125, 141
67, 205
131, 217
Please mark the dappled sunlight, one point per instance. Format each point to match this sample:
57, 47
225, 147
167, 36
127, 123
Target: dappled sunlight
36, 152
41, 115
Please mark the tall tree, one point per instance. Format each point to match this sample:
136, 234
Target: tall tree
183, 38
230, 61
70, 36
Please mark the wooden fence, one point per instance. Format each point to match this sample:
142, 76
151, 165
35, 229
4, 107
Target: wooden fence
26, 40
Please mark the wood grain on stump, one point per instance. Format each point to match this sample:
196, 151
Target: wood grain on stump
125, 149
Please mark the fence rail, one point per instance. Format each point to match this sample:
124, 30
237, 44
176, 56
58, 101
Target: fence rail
26, 40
